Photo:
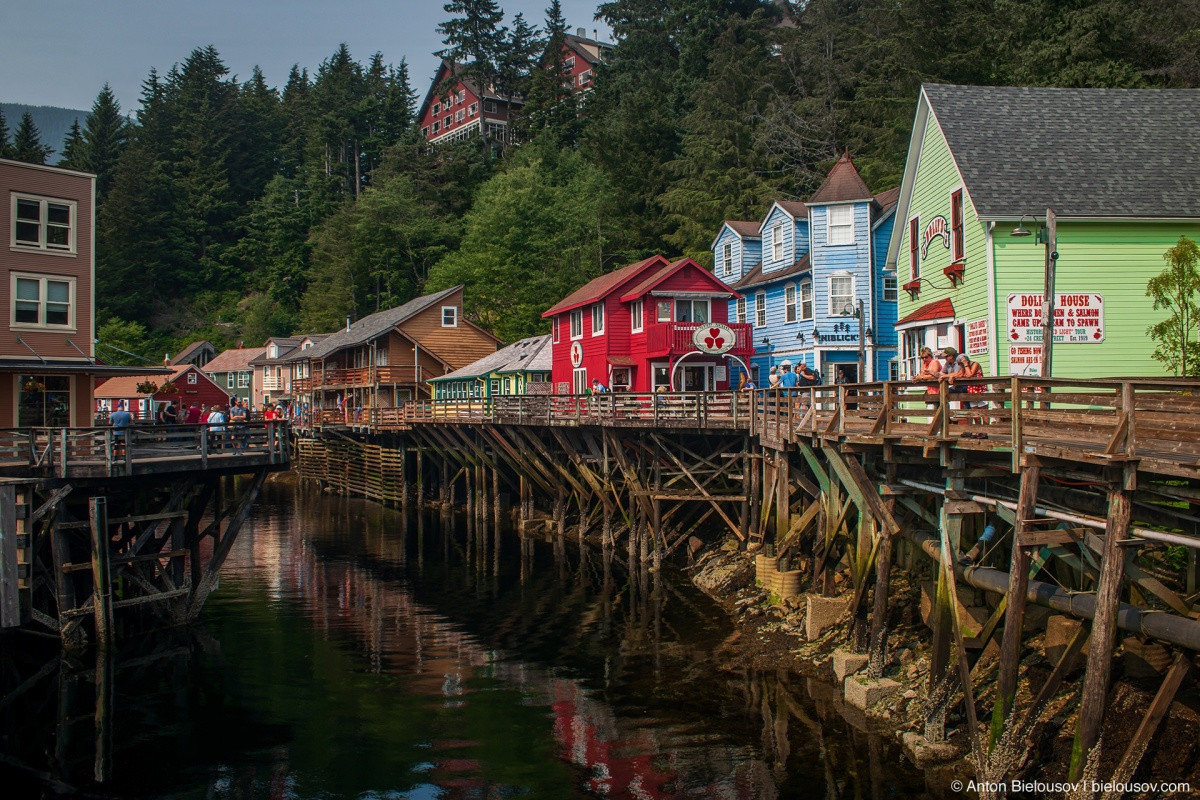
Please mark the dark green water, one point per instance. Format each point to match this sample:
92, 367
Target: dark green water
353, 653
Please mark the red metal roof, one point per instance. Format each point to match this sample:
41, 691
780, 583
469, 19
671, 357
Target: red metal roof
938, 309
601, 287
842, 185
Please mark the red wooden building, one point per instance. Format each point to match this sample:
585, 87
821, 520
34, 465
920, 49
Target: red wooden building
190, 384
650, 324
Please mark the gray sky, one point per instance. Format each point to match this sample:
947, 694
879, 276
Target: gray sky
61, 52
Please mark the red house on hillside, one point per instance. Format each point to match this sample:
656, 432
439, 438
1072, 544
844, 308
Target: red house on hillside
650, 324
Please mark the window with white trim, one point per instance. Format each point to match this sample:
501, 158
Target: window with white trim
760, 309
727, 259
191, 379
577, 324
229, 379
458, 115
447, 121
489, 107
437, 126
664, 311
585, 77
472, 109
806, 299
568, 63
691, 311
841, 295
449, 316
839, 225
635, 316
914, 249
437, 109
425, 132
890, 289
243, 380
597, 319
579, 380
777, 242
462, 96
42, 301
40, 223
741, 309
789, 303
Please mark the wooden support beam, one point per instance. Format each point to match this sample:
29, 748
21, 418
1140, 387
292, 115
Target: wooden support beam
1014, 615
101, 582
1154, 717
1104, 628
208, 580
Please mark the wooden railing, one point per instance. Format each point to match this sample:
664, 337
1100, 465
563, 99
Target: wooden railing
1102, 421
676, 337
358, 377
103, 451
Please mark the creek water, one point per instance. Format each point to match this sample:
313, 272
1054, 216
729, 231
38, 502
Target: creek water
354, 652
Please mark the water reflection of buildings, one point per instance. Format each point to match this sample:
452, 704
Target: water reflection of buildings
355, 587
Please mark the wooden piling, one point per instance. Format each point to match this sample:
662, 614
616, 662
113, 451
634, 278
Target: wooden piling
1094, 694
1014, 615
101, 582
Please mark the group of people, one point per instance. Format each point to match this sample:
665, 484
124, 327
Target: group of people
225, 423
957, 367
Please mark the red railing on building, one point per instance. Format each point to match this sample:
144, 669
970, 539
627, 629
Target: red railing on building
676, 337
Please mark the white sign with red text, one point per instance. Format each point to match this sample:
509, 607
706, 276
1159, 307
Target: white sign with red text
1078, 318
977, 337
1025, 359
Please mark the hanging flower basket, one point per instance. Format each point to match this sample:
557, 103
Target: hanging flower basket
168, 388
147, 387
33, 385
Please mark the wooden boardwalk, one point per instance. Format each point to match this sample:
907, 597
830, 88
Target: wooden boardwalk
1151, 424
139, 450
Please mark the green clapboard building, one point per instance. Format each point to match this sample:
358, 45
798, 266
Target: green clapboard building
1120, 169
521, 368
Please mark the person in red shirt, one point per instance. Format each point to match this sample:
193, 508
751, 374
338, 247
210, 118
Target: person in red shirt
193, 415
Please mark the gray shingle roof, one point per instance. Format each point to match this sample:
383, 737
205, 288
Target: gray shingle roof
524, 355
1081, 152
370, 326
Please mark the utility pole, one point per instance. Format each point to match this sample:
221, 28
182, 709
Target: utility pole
1049, 236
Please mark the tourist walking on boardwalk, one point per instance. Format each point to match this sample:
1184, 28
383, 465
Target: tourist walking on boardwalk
239, 436
216, 426
807, 376
773, 378
195, 415
787, 378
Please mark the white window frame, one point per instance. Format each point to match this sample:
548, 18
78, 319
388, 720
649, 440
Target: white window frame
472, 109
42, 245
585, 77
598, 319
789, 303
453, 317
447, 120
740, 309
437, 126
891, 288
760, 310
836, 309
839, 225
636, 324
489, 107
191, 379
579, 381
777, 242
243, 379
42, 301
569, 63
576, 324
458, 115
462, 96
229, 379
691, 305
437, 109
806, 299
425, 132
662, 305
727, 258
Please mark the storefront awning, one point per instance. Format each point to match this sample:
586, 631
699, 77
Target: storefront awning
934, 313
27, 367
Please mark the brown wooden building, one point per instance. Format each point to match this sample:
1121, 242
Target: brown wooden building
47, 290
384, 359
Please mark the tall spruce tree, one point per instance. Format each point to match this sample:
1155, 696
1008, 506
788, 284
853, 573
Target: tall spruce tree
27, 142
5, 144
105, 134
72, 153
550, 108
475, 40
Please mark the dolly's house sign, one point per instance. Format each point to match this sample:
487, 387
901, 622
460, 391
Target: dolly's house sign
1078, 318
936, 229
714, 338
576, 354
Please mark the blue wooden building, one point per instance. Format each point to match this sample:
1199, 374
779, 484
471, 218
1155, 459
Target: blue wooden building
813, 283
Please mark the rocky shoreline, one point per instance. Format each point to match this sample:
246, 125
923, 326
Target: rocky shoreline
777, 633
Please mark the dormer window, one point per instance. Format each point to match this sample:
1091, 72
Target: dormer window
777, 242
840, 221
727, 259
449, 316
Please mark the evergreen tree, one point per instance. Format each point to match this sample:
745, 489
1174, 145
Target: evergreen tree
257, 131
27, 143
550, 108
475, 40
516, 59
72, 154
5, 144
295, 111
105, 134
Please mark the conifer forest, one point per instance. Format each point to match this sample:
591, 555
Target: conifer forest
232, 210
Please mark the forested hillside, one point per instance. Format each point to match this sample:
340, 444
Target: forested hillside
233, 211
53, 123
